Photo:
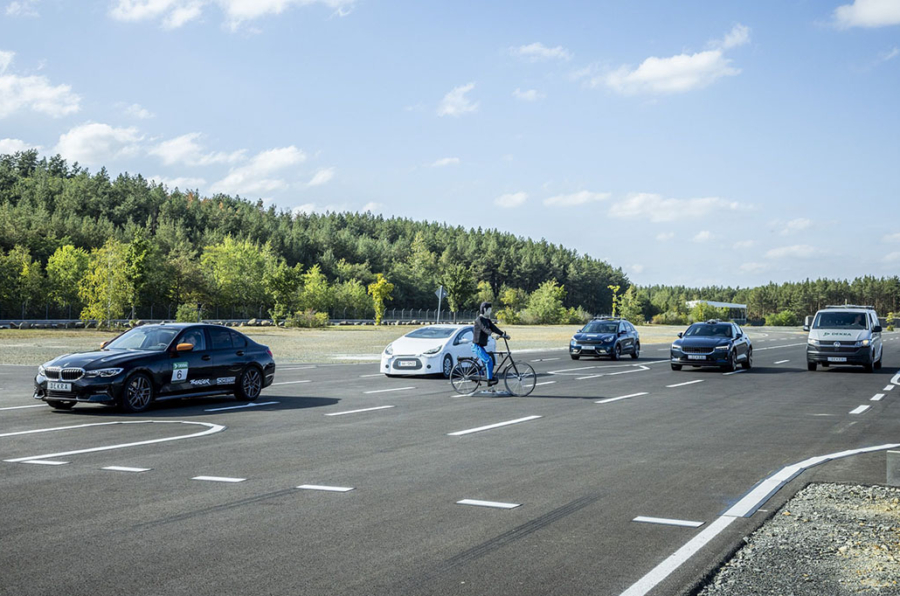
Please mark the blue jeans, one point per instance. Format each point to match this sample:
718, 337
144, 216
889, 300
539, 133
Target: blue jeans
482, 355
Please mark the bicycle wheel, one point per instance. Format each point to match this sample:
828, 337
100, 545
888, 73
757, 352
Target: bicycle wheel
519, 379
465, 377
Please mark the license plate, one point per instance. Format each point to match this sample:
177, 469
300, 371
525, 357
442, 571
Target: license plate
59, 386
407, 364
837, 359
696, 357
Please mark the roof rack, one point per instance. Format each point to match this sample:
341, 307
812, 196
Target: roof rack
712, 321
850, 306
607, 318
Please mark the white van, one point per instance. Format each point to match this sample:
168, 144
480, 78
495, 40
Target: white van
845, 334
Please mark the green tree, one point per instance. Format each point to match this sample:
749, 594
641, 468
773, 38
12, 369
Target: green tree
105, 289
282, 284
234, 272
484, 293
460, 286
65, 269
315, 294
350, 296
380, 291
631, 306
545, 305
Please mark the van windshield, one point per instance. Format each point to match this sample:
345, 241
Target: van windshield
840, 320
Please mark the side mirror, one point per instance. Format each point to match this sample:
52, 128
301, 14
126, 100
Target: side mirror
184, 347
580, 330
807, 321
877, 329
104, 344
806, 327
680, 334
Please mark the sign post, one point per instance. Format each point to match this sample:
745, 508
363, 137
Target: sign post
441, 294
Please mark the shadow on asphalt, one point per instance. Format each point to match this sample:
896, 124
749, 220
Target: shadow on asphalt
195, 407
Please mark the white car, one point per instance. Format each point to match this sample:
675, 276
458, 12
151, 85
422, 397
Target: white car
430, 350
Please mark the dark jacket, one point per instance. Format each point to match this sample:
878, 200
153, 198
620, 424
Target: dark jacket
482, 330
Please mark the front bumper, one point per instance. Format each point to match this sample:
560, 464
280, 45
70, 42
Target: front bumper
584, 349
716, 358
400, 364
98, 390
859, 356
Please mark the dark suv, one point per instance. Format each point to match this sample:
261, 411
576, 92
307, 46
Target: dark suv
713, 343
606, 336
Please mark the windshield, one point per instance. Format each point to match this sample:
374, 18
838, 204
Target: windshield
840, 320
601, 328
432, 333
708, 331
154, 339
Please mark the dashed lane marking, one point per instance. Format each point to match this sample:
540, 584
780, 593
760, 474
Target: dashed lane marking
782, 361
373, 375
544, 359
734, 372
23, 407
612, 399
293, 382
686, 383
492, 426
494, 504
667, 522
332, 489
638, 368
242, 406
544, 383
358, 411
888, 388
388, 390
125, 469
860, 409
877, 397
218, 479
46, 462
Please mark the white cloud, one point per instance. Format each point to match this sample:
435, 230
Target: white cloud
677, 74
889, 55
372, 207
891, 237
95, 143
665, 236
181, 182
702, 236
255, 177
446, 161
135, 110
456, 103
797, 251
637, 268
176, 13
743, 244
10, 146
33, 93
529, 95
578, 198
305, 209
511, 200
796, 225
323, 176
186, 150
754, 267
893, 257
655, 208
867, 13
22, 8
538, 51
738, 36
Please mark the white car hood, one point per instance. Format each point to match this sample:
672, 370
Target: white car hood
841, 335
408, 346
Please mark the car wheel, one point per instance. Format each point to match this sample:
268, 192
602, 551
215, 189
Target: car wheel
731, 362
810, 366
447, 366
878, 362
617, 352
574, 357
676, 367
61, 405
748, 363
637, 351
138, 393
249, 384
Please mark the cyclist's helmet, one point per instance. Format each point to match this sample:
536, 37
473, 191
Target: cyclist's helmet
483, 308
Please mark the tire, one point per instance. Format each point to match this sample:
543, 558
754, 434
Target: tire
616, 353
732, 365
465, 377
878, 362
447, 366
748, 363
637, 351
575, 357
520, 383
676, 367
60, 405
825, 365
810, 366
137, 394
249, 384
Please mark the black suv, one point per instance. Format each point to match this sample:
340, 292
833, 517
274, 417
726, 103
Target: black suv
606, 336
713, 343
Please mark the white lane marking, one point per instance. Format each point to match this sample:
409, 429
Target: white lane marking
250, 405
293, 382
217, 479
490, 426
612, 399
375, 375
860, 409
877, 397
387, 390
495, 504
23, 407
781, 346
333, 489
544, 383
888, 388
667, 522
896, 379
782, 361
298, 368
677, 559
687, 383
545, 359
125, 469
734, 372
46, 462
211, 429
358, 411
638, 368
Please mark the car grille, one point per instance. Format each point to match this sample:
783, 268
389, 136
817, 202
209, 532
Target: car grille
55, 373
692, 350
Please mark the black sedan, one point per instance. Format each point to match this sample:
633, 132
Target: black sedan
606, 336
155, 363
713, 343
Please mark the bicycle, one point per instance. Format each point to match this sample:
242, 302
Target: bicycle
469, 373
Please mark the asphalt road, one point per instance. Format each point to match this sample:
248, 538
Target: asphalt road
598, 445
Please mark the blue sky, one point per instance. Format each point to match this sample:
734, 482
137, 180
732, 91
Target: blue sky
697, 143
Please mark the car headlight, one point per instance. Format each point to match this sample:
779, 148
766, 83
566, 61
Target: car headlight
41, 371
723, 347
813, 342
432, 351
102, 372
863, 343
676, 347
389, 350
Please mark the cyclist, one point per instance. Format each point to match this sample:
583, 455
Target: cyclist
482, 332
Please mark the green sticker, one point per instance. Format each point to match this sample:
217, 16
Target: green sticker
179, 371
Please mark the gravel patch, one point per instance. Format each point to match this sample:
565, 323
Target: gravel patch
830, 539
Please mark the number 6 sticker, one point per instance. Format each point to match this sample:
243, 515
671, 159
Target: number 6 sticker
179, 371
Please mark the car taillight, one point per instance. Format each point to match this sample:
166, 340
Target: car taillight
269, 352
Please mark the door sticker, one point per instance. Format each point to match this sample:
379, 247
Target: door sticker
179, 371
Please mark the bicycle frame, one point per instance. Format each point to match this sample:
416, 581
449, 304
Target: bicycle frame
499, 368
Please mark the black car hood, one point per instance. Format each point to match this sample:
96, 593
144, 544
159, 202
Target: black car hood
98, 359
703, 342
